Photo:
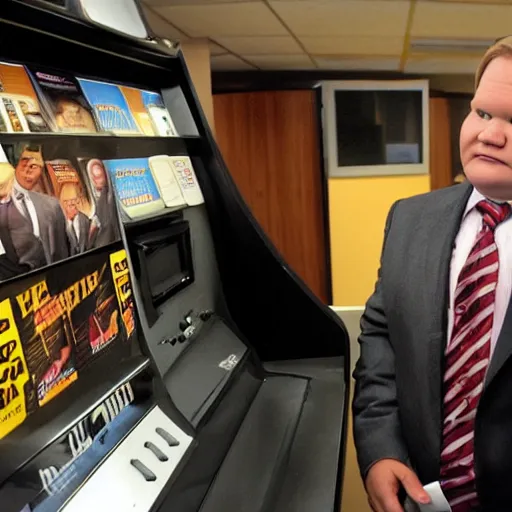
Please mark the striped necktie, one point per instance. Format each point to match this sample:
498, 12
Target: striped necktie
467, 357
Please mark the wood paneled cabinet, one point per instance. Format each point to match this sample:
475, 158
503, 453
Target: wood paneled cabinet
271, 144
441, 174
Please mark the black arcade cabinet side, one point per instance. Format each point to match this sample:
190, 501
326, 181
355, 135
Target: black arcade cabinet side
165, 357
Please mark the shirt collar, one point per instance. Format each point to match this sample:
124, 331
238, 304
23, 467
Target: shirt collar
20, 190
473, 200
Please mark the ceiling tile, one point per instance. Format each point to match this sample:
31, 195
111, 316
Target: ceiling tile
232, 20
161, 27
228, 63
282, 45
355, 45
441, 65
348, 64
281, 61
458, 20
215, 49
321, 18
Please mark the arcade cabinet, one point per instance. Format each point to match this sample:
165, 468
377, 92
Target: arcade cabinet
156, 352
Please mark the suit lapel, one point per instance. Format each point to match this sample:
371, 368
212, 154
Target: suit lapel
503, 349
441, 224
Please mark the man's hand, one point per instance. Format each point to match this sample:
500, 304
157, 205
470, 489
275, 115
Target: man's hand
383, 482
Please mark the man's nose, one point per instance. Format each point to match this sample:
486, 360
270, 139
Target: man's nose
494, 133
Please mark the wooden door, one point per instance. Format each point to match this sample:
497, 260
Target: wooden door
440, 144
270, 142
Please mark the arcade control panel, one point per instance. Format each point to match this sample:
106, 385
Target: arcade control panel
140, 468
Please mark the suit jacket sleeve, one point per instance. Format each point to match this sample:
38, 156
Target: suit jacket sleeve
377, 432
60, 243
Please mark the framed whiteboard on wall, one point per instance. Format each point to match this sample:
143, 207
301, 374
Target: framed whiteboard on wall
375, 128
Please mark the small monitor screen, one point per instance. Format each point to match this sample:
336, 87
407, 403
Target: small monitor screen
379, 127
164, 267
163, 263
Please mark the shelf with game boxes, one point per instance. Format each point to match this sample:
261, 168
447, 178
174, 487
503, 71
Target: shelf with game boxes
43, 100
93, 178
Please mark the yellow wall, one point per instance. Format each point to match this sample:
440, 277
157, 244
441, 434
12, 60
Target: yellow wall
358, 208
357, 213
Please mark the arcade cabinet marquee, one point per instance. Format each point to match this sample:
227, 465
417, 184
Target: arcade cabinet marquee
156, 353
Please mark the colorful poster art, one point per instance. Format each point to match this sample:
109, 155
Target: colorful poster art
159, 114
54, 325
150, 112
110, 107
51, 210
134, 100
68, 184
135, 186
13, 373
121, 277
20, 110
63, 101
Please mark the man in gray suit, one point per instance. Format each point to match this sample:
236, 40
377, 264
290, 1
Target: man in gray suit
433, 399
80, 229
43, 211
52, 226
20, 250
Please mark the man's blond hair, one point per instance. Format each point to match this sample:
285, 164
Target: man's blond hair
502, 47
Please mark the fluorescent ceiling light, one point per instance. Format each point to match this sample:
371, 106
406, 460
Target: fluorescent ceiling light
451, 45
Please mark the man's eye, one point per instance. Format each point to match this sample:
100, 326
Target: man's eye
483, 115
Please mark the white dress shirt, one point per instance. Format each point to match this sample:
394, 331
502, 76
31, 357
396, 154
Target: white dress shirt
470, 227
18, 189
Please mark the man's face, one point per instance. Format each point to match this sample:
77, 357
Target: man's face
486, 134
72, 114
69, 200
28, 170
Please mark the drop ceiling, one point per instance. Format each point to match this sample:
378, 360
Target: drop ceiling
413, 36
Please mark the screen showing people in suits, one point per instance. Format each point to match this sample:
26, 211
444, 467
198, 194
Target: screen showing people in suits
51, 210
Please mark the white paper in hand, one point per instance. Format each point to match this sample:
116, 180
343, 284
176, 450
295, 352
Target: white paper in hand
438, 501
